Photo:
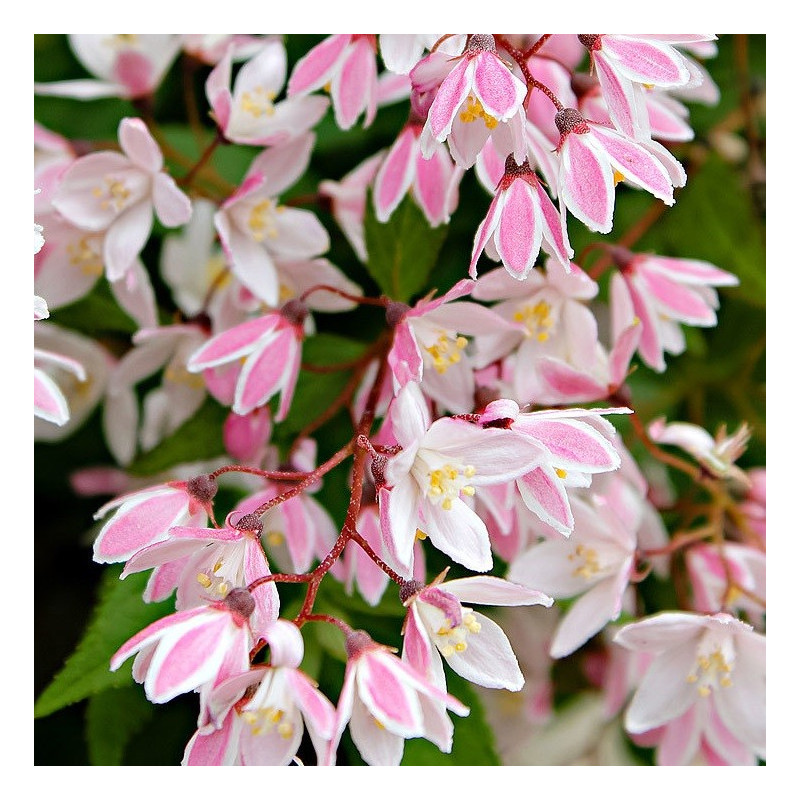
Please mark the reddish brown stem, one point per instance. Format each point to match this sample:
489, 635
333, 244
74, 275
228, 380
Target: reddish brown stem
339, 623
205, 156
355, 298
536, 46
365, 546
531, 82
273, 475
695, 473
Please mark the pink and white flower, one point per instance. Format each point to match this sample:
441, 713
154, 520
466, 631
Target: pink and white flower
662, 293
346, 62
591, 156
624, 64
477, 96
144, 517
271, 348
117, 194
127, 65
717, 455
248, 113
386, 702
255, 230
438, 625
521, 220
258, 718
439, 465
433, 181
714, 661
571, 448
188, 649
430, 348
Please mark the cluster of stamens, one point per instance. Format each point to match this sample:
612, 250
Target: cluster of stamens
452, 640
475, 111
262, 220
448, 483
537, 319
258, 103
213, 583
712, 670
177, 373
446, 351
83, 256
115, 193
590, 565
265, 720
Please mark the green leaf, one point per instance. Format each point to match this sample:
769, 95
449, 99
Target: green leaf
401, 252
473, 740
325, 349
96, 314
119, 614
198, 439
113, 718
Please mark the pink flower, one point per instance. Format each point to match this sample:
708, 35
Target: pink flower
128, 65
477, 97
591, 155
248, 114
190, 648
473, 645
709, 568
625, 63
439, 465
386, 702
255, 230
570, 450
433, 180
429, 346
257, 718
144, 517
662, 293
347, 63
595, 563
348, 198
717, 455
521, 219
117, 193
714, 661
205, 564
271, 348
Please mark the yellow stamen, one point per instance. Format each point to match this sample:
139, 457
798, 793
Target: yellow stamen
618, 177
258, 103
562, 473
475, 111
537, 319
204, 580
85, 257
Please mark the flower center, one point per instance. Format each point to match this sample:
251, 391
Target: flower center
262, 221
446, 351
258, 103
215, 585
712, 670
452, 640
448, 483
114, 193
266, 720
177, 373
538, 319
83, 255
590, 565
474, 111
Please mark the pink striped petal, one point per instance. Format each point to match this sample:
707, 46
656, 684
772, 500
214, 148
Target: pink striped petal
680, 302
574, 445
543, 493
451, 94
263, 373
218, 90
625, 101
554, 230
389, 698
232, 344
690, 271
433, 189
647, 62
135, 72
485, 231
416, 643
518, 237
395, 175
500, 92
586, 185
351, 89
315, 68
570, 383
639, 166
48, 401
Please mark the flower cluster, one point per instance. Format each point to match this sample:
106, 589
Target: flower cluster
486, 426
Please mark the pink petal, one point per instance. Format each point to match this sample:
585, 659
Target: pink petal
172, 206
126, 238
389, 698
139, 145
395, 175
500, 92
554, 230
586, 184
625, 100
647, 62
485, 231
263, 373
518, 237
218, 90
135, 72
232, 344
543, 493
315, 68
451, 94
48, 401
352, 86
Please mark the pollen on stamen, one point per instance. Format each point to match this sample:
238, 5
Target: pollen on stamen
274, 538
204, 580
475, 111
